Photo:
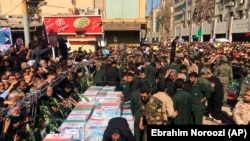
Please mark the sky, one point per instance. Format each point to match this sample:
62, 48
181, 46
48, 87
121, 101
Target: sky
148, 2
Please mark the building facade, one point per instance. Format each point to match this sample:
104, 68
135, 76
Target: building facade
122, 20
153, 33
218, 19
165, 20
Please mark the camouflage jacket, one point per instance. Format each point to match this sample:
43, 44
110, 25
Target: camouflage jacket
224, 72
241, 113
243, 86
153, 111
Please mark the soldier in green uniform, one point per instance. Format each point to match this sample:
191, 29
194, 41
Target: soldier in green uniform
225, 73
100, 77
182, 104
135, 109
199, 93
142, 78
124, 85
152, 110
151, 73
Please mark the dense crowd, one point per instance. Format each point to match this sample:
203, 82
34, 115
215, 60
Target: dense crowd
177, 83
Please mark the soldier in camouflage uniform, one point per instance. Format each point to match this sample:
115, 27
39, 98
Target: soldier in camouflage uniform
225, 73
152, 110
241, 112
244, 84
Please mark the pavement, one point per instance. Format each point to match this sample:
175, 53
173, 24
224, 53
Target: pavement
208, 122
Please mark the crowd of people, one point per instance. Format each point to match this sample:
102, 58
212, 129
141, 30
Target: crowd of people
173, 84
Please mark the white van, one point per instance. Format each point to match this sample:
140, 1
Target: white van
222, 40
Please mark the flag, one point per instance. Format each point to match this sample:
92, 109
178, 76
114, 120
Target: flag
199, 34
247, 34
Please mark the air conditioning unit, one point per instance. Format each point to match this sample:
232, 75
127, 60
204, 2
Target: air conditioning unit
231, 3
241, 1
87, 9
236, 16
97, 12
81, 11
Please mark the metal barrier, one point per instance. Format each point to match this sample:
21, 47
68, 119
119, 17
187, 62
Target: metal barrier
32, 98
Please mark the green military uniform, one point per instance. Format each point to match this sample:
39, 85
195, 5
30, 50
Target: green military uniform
198, 92
151, 75
143, 81
243, 86
151, 78
135, 109
175, 66
135, 77
192, 52
205, 81
225, 73
183, 105
100, 77
124, 86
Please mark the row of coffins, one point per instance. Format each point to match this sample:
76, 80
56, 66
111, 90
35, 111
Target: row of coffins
90, 117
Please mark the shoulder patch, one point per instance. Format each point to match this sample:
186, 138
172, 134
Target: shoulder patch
157, 101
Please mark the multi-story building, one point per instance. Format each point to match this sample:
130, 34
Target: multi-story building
165, 20
179, 12
218, 19
153, 34
122, 20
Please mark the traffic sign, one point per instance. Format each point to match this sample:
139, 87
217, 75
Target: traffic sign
19, 41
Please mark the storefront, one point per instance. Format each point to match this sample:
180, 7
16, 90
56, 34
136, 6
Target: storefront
119, 32
80, 31
241, 37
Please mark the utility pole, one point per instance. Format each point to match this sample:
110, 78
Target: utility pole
152, 4
26, 23
249, 20
152, 21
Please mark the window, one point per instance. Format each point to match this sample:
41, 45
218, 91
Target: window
231, 14
220, 18
122, 8
241, 14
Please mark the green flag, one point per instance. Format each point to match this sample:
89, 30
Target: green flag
199, 34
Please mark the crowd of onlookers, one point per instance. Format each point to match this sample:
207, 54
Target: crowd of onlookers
195, 76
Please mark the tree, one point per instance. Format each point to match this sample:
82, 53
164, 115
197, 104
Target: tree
33, 6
